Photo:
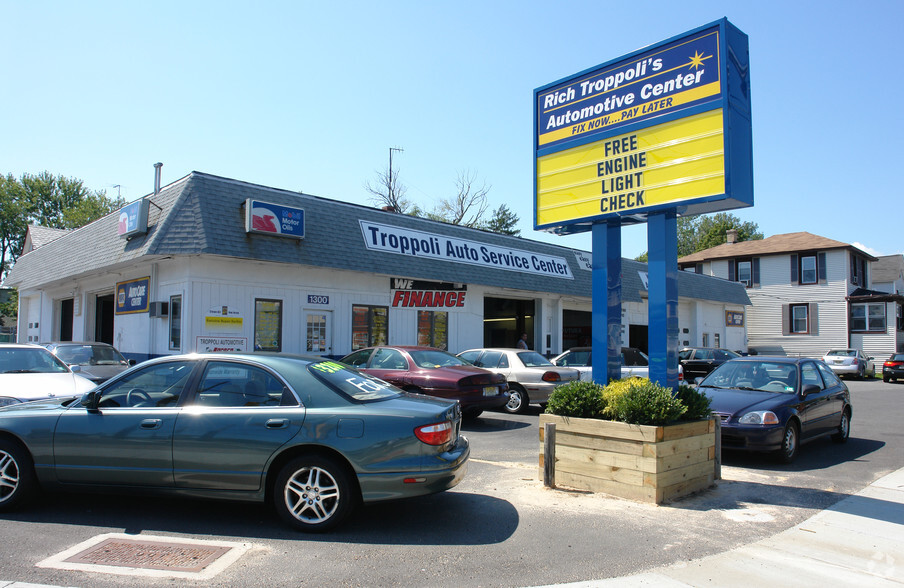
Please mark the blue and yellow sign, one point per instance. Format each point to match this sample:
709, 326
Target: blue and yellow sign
665, 127
132, 296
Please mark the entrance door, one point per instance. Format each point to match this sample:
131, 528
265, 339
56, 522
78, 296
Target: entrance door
66, 314
318, 326
103, 319
505, 320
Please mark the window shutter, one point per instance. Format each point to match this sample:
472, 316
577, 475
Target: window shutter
813, 318
786, 319
756, 271
794, 269
731, 270
821, 267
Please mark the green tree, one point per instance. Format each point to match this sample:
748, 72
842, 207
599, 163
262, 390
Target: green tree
503, 221
47, 200
696, 233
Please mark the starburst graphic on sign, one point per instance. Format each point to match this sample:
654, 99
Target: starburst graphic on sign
696, 60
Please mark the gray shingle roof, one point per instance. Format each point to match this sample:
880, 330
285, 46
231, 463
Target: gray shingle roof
888, 268
202, 214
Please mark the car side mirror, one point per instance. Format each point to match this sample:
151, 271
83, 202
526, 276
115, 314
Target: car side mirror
89, 400
75, 368
810, 389
132, 362
697, 380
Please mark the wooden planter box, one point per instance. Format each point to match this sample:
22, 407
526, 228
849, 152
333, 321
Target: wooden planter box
638, 462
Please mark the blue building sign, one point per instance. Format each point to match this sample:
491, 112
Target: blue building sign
132, 296
273, 219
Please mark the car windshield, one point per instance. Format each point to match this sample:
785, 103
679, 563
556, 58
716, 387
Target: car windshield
352, 383
533, 359
434, 358
843, 352
89, 355
766, 376
25, 360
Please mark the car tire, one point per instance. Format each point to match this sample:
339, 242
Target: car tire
314, 493
844, 428
518, 400
790, 443
18, 482
886, 379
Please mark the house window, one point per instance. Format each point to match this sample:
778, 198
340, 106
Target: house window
900, 317
370, 326
858, 271
175, 323
744, 273
808, 269
432, 329
267, 325
868, 317
716, 342
800, 318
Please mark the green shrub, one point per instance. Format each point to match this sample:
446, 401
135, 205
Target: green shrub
577, 399
644, 402
697, 403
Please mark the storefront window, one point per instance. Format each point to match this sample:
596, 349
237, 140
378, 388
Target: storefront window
370, 326
175, 323
267, 325
432, 329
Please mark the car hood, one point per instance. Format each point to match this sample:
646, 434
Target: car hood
101, 373
26, 387
729, 401
46, 405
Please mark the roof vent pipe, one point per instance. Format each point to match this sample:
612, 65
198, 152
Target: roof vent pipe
157, 167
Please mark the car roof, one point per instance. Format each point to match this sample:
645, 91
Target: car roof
515, 349
77, 343
772, 358
20, 346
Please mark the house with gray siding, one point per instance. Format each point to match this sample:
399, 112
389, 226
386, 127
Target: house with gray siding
808, 294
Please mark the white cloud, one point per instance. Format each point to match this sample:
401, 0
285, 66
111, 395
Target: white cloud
869, 250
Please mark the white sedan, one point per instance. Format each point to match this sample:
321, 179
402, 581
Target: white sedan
531, 377
634, 363
31, 372
850, 362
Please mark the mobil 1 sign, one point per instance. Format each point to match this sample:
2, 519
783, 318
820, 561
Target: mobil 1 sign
664, 128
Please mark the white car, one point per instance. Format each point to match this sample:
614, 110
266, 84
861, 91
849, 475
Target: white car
31, 372
634, 362
850, 362
530, 376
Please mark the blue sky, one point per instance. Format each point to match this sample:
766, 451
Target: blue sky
310, 96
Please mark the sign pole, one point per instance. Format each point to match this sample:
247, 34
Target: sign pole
662, 242
606, 318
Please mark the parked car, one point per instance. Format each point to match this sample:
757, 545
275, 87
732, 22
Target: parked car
30, 372
850, 362
531, 377
316, 437
634, 362
698, 362
776, 403
893, 368
433, 372
97, 361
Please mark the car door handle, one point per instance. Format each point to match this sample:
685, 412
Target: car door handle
151, 424
277, 423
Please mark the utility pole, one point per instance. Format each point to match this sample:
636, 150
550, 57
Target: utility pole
391, 177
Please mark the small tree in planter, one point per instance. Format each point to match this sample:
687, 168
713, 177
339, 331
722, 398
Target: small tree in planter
633, 439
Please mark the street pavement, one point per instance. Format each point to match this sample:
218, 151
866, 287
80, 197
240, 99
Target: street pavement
859, 541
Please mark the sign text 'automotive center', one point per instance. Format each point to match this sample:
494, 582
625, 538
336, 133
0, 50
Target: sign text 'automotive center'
648, 165
390, 239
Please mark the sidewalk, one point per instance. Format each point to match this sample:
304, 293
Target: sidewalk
857, 542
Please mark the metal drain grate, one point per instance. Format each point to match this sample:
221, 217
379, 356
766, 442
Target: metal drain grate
149, 555
152, 555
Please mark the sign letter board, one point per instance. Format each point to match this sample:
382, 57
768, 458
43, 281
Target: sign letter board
665, 127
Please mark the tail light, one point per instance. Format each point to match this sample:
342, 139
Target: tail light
435, 434
552, 377
854, 361
893, 363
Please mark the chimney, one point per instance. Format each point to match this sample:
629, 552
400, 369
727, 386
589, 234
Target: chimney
157, 167
731, 235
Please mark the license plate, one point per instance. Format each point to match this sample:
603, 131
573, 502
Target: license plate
490, 391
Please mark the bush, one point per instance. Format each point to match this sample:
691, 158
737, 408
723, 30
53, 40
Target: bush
577, 399
697, 403
643, 402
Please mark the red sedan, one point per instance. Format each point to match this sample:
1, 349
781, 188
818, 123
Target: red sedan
425, 370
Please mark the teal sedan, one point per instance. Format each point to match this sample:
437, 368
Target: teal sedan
313, 437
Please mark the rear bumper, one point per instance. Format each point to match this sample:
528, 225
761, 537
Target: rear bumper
442, 472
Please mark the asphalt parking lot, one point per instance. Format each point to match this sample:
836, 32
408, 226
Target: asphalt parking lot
499, 527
